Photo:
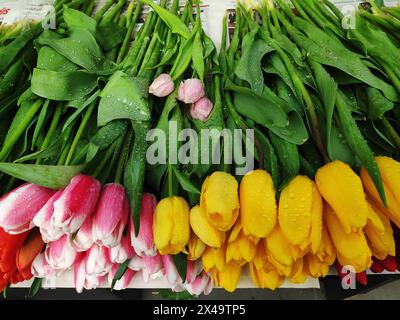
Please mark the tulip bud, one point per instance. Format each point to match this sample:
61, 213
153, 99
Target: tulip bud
240, 249
191, 91
171, 225
220, 200
122, 283
84, 237
201, 109
197, 282
196, 247
59, 254
214, 258
19, 207
299, 272
81, 278
162, 86
33, 245
98, 262
40, 267
77, 202
144, 242
352, 249
43, 220
123, 251
171, 273
343, 191
151, 266
390, 174
9, 245
229, 278
111, 215
207, 233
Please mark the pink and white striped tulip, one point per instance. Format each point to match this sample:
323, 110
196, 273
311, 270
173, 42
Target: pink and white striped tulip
59, 254
202, 284
111, 215
82, 280
123, 251
40, 267
162, 86
77, 202
171, 273
98, 262
144, 242
151, 267
122, 283
19, 207
43, 220
191, 91
84, 237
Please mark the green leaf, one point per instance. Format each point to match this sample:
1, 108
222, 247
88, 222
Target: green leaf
180, 261
170, 295
40, 122
378, 105
74, 18
122, 268
170, 19
62, 86
35, 287
184, 181
184, 57
10, 80
50, 59
110, 35
124, 97
53, 177
198, 56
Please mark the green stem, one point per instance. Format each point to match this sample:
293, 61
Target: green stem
124, 155
79, 133
103, 10
395, 136
104, 161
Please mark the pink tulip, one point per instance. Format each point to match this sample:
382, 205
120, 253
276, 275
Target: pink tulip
81, 278
43, 220
191, 91
40, 267
98, 262
111, 215
77, 202
84, 237
201, 110
59, 254
202, 284
162, 86
144, 243
171, 273
19, 207
122, 283
123, 251
151, 267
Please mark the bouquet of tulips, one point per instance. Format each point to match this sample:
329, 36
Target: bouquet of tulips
79, 103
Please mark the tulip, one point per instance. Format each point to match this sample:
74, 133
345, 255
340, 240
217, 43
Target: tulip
258, 211
262, 272
150, 266
202, 228
122, 283
240, 248
196, 247
171, 273
220, 200
197, 282
201, 109
19, 207
84, 237
390, 174
171, 225
300, 213
98, 261
43, 220
343, 191
81, 278
41, 268
9, 245
299, 272
162, 86
361, 277
144, 242
352, 249
77, 202
33, 245
380, 235
123, 251
111, 215
214, 259
59, 254
229, 278
191, 91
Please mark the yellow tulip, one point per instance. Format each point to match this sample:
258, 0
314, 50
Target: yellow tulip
204, 230
299, 272
316, 268
300, 213
214, 258
343, 191
220, 200
390, 174
196, 247
257, 204
229, 278
380, 240
262, 272
351, 248
240, 248
171, 225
